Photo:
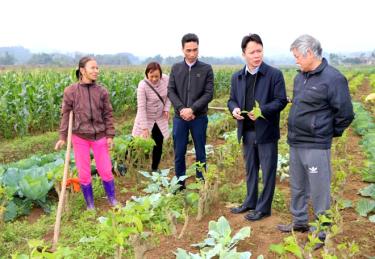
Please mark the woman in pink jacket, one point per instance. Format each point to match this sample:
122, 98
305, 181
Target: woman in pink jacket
153, 110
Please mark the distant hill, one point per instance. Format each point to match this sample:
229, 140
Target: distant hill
133, 59
20, 54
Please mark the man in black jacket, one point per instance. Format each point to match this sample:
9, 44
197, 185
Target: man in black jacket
257, 82
321, 110
190, 89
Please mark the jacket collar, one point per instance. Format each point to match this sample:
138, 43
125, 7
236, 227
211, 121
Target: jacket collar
262, 69
320, 67
317, 70
86, 85
195, 63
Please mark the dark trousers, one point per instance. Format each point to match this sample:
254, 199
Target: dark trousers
157, 136
181, 128
257, 156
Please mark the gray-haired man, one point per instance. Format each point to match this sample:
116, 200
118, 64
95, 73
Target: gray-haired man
321, 110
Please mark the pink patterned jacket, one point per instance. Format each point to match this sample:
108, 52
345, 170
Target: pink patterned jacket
150, 108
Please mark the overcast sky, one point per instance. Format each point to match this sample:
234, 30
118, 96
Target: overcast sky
148, 28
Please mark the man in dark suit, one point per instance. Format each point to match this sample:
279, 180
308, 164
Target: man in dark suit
264, 84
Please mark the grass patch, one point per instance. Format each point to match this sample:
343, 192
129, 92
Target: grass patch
20, 148
14, 235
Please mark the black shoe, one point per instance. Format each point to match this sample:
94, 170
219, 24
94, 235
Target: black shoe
256, 215
181, 188
240, 209
318, 246
289, 227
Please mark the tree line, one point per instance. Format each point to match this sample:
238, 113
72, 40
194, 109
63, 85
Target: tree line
10, 56
21, 56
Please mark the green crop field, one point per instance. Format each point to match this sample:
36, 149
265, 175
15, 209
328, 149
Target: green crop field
153, 222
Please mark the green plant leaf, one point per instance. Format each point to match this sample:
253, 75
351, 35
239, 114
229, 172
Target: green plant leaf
194, 186
219, 229
182, 254
207, 242
145, 174
368, 191
369, 177
33, 243
233, 254
277, 248
372, 218
291, 246
21, 256
10, 212
257, 111
294, 249
192, 198
365, 206
35, 187
347, 204
240, 235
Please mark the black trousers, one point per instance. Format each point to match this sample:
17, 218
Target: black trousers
258, 156
157, 136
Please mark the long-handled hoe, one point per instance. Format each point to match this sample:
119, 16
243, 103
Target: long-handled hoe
63, 186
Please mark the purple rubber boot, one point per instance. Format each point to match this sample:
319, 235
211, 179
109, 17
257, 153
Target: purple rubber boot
109, 188
88, 195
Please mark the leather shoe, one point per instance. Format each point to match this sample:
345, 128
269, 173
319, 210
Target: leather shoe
240, 209
289, 227
256, 215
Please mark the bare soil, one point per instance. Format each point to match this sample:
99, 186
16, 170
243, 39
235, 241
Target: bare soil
264, 232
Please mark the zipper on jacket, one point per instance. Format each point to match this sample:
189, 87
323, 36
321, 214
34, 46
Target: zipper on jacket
91, 118
188, 90
305, 81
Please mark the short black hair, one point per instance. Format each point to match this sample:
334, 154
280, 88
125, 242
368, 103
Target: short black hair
251, 37
189, 38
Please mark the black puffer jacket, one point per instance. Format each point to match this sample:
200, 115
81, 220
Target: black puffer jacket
321, 108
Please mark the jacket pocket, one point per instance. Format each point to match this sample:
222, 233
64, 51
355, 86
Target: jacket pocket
76, 122
314, 95
323, 125
305, 124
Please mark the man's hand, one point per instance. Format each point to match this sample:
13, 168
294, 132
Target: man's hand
251, 116
237, 114
60, 144
187, 114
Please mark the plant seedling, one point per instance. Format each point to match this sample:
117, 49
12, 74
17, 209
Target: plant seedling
256, 111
